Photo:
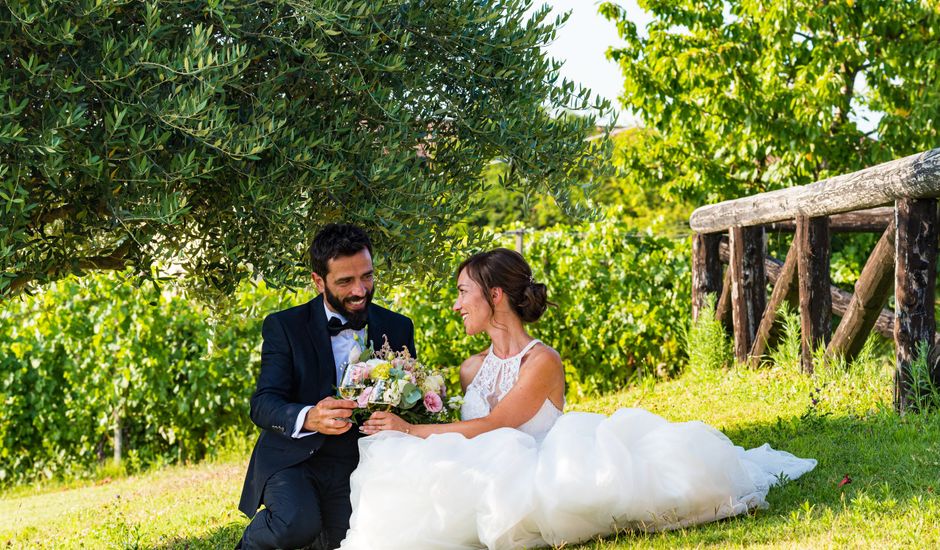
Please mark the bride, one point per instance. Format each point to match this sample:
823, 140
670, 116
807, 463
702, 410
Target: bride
518, 473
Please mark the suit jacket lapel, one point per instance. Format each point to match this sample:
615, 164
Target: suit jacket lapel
376, 330
326, 365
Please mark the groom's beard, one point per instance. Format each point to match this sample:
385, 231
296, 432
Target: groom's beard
355, 318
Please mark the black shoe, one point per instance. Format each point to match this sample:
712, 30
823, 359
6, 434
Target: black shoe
322, 543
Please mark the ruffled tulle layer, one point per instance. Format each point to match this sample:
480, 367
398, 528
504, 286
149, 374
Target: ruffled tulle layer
591, 475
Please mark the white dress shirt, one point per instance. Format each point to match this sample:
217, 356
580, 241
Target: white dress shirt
342, 344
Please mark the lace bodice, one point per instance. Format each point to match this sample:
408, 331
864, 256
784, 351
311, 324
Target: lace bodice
493, 381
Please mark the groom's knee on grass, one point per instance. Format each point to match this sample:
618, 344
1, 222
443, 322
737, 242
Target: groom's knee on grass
296, 528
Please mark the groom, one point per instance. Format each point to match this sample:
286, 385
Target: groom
300, 466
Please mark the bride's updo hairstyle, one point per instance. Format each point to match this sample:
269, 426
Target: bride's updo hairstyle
508, 270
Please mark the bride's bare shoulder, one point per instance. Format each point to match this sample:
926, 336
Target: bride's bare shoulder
543, 354
544, 362
470, 366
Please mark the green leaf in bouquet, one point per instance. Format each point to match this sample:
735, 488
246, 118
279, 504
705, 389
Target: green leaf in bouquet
367, 353
410, 396
361, 414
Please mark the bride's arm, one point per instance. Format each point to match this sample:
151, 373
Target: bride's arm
542, 373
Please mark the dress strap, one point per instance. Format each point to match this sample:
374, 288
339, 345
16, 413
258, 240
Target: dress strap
527, 347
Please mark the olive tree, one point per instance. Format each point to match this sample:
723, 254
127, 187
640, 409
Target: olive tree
211, 139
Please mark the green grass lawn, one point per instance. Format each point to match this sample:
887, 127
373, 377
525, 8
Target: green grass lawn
891, 502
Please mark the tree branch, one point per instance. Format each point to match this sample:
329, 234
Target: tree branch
69, 210
848, 91
115, 261
56, 214
807, 37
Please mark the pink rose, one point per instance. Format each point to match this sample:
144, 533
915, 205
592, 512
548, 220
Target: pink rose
363, 399
433, 402
359, 374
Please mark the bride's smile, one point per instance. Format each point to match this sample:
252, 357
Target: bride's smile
471, 305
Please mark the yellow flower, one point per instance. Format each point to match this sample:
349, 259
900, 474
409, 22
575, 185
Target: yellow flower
380, 369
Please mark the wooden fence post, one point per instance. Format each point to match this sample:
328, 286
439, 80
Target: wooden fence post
872, 290
915, 281
783, 291
520, 236
748, 286
812, 236
723, 306
884, 325
706, 270
118, 436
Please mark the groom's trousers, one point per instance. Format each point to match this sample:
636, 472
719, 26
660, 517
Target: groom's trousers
306, 504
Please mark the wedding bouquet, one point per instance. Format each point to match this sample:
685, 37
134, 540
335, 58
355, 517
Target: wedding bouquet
394, 381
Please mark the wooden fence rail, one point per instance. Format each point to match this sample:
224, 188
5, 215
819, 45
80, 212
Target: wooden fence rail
904, 260
911, 177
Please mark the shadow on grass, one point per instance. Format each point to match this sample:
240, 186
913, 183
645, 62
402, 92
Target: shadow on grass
879, 451
223, 537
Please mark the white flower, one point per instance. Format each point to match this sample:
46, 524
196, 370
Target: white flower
394, 390
455, 402
354, 355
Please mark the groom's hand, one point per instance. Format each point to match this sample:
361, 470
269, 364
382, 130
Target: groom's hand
330, 416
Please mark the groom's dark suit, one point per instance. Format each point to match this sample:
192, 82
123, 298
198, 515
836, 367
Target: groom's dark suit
303, 482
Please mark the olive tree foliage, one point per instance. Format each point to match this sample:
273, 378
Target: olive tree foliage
743, 96
212, 139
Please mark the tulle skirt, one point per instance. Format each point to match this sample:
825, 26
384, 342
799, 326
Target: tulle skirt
590, 476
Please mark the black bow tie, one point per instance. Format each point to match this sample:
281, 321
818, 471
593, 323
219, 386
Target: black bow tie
335, 326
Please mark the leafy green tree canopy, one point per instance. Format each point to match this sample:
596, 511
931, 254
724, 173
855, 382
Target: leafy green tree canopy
744, 96
218, 136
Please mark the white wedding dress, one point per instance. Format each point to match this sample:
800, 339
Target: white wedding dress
558, 478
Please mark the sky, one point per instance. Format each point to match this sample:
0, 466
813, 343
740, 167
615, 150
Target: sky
582, 42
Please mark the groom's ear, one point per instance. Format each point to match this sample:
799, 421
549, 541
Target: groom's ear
318, 282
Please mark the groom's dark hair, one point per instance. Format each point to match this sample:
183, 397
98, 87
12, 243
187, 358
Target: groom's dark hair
334, 240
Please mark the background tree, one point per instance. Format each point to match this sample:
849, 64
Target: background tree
623, 196
744, 96
217, 136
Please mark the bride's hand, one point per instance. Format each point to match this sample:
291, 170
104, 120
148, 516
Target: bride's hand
381, 421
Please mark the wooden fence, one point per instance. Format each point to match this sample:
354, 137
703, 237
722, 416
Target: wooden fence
897, 199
